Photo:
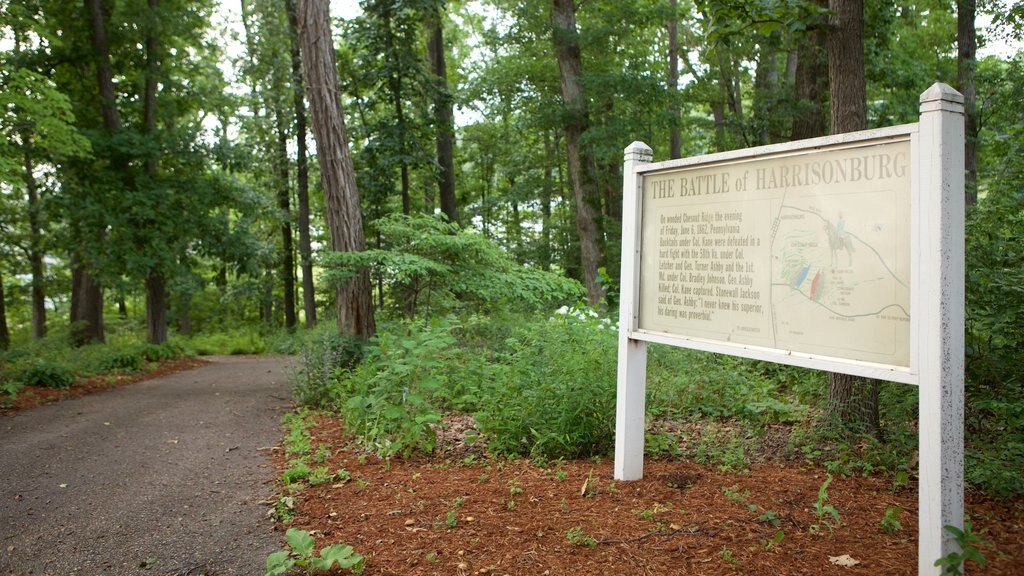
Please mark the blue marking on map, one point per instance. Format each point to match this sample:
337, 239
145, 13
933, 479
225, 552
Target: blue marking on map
802, 275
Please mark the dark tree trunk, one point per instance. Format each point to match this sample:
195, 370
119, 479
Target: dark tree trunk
156, 289
581, 166
444, 118
550, 154
852, 401
847, 86
966, 61
156, 308
35, 241
766, 86
185, 314
811, 81
267, 302
86, 292
5, 334
344, 219
284, 206
86, 306
302, 172
675, 144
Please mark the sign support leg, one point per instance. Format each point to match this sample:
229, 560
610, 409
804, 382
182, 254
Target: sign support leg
630, 401
939, 309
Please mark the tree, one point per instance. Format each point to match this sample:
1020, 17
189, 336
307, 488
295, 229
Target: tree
966, 62
301, 170
344, 220
675, 138
851, 400
582, 168
444, 117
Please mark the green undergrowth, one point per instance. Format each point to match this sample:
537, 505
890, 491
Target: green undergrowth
543, 386
53, 363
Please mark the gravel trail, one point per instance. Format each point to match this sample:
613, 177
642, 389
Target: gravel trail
165, 477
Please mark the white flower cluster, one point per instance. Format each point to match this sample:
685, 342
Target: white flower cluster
585, 314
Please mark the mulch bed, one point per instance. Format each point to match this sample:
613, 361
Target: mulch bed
467, 514
34, 396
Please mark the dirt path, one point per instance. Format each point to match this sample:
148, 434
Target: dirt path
163, 477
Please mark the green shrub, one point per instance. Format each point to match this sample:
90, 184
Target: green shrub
325, 357
125, 361
47, 374
556, 395
389, 401
161, 352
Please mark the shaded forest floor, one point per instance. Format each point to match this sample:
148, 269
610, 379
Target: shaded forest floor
33, 396
463, 513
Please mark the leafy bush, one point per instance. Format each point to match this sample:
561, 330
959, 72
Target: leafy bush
436, 267
556, 397
47, 374
161, 352
127, 361
326, 356
389, 401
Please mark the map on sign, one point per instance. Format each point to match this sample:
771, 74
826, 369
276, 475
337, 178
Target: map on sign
806, 253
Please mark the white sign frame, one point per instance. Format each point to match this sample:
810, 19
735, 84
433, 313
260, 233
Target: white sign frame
936, 306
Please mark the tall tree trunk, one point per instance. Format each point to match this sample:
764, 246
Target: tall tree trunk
581, 176
156, 287
302, 172
35, 241
847, 85
444, 117
966, 61
675, 140
852, 401
344, 219
550, 154
86, 291
766, 87
284, 206
5, 334
395, 84
156, 308
811, 81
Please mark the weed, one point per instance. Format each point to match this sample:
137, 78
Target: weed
297, 471
727, 556
560, 475
648, 514
451, 519
733, 493
770, 517
321, 475
284, 509
48, 374
891, 520
580, 538
824, 511
300, 553
322, 454
969, 543
774, 540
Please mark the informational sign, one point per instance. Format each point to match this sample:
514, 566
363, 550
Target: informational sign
806, 252
843, 253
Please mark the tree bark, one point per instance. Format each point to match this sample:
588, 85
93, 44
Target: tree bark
675, 139
847, 85
156, 308
86, 291
156, 288
344, 219
302, 172
581, 176
444, 117
852, 400
966, 61
285, 214
5, 334
811, 81
550, 154
35, 241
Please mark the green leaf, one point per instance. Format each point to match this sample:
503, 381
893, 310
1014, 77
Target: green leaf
279, 562
343, 554
300, 541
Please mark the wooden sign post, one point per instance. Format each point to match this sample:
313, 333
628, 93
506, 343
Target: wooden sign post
843, 253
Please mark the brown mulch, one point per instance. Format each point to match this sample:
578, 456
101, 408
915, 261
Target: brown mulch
34, 396
467, 514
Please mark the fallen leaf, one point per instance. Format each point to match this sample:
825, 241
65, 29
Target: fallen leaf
63, 485
846, 561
